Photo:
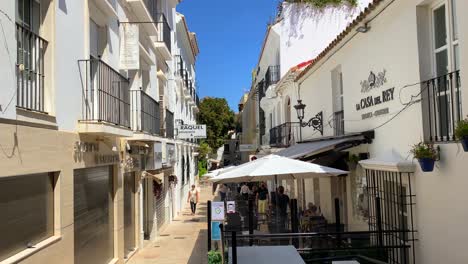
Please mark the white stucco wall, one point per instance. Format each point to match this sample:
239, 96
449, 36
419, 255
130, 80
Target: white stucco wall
392, 44
8, 61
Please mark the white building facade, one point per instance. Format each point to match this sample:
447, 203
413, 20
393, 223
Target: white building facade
391, 79
91, 165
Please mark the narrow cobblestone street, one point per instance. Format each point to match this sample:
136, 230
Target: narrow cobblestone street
183, 241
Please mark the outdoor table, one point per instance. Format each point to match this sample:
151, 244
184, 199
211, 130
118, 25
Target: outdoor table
267, 254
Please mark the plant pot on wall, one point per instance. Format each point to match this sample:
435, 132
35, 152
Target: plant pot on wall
464, 142
426, 154
427, 164
461, 132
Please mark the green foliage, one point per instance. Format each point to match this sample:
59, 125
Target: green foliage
202, 168
204, 150
424, 150
324, 3
214, 257
219, 119
462, 129
353, 158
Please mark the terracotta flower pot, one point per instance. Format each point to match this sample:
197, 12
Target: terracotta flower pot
427, 164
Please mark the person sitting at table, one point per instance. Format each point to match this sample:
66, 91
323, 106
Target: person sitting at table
311, 211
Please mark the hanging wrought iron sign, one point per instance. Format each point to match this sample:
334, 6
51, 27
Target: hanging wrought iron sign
315, 122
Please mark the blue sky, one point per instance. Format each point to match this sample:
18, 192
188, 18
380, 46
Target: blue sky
230, 35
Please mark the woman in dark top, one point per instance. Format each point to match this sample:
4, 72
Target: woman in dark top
283, 202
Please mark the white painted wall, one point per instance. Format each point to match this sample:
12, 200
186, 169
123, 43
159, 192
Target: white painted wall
8, 61
392, 44
299, 36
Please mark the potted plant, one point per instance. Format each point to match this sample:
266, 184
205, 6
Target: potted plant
173, 180
461, 132
353, 160
426, 154
214, 257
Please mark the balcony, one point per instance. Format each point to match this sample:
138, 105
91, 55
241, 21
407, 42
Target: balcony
30, 70
169, 124
163, 39
272, 76
285, 135
146, 115
105, 99
144, 11
442, 107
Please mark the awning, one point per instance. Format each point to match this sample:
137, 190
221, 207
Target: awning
321, 145
157, 177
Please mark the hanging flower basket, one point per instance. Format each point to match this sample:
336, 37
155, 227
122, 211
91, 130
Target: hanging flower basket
352, 161
427, 164
464, 142
461, 132
173, 180
426, 154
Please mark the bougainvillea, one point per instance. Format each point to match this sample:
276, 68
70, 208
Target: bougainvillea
324, 3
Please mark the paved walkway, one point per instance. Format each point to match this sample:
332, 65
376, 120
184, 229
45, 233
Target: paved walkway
184, 241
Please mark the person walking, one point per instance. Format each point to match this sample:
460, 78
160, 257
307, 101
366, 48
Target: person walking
283, 202
262, 199
222, 192
245, 191
193, 196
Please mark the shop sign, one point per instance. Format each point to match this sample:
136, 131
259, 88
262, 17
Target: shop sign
107, 158
191, 131
86, 147
231, 207
373, 82
217, 211
168, 157
129, 47
158, 154
215, 231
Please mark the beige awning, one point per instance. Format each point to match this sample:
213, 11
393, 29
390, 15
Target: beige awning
158, 177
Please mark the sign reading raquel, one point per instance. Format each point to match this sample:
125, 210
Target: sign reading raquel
191, 131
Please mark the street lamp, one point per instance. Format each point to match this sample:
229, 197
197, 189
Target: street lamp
300, 115
315, 122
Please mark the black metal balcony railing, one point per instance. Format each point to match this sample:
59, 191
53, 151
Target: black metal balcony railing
285, 135
272, 76
30, 69
105, 95
164, 30
442, 103
169, 124
146, 115
338, 121
180, 66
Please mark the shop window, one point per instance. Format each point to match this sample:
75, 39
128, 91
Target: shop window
27, 206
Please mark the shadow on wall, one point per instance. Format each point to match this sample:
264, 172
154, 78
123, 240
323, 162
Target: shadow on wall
63, 6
